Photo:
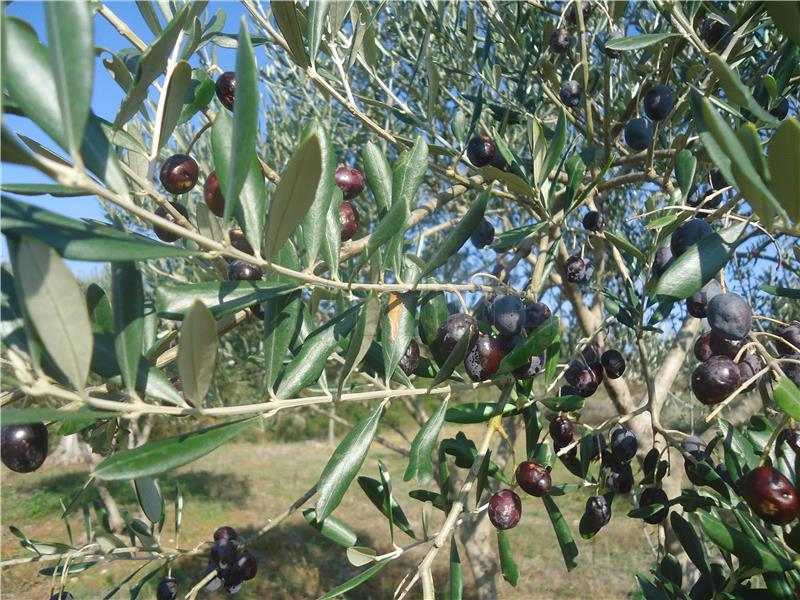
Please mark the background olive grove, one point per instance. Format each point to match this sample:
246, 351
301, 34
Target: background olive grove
330, 83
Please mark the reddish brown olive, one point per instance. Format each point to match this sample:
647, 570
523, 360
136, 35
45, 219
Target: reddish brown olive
483, 358
771, 496
226, 532
162, 212
350, 181
348, 220
505, 509
179, 173
238, 241
213, 196
410, 360
533, 478
226, 89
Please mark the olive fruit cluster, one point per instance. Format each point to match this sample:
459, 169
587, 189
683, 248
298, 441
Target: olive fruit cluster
505, 506
657, 103
509, 316
730, 318
233, 567
351, 181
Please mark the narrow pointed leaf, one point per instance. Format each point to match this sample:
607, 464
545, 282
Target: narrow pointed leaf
420, 466
555, 148
21, 416
376, 492
78, 240
456, 575
685, 165
536, 343
127, 293
750, 551
173, 106
199, 93
28, 78
222, 297
309, 363
690, 542
784, 166
398, 322
161, 456
283, 318
332, 243
285, 15
637, 42
294, 195
317, 18
41, 189
735, 90
458, 236
787, 396
364, 335
197, 352
740, 168
406, 179
70, 38
564, 536
476, 412
455, 358
245, 122
332, 528
379, 176
251, 205
699, 264
356, 581
508, 567
55, 303
315, 222
149, 497
344, 463
152, 63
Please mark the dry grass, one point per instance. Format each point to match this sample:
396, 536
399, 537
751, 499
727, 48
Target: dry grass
245, 484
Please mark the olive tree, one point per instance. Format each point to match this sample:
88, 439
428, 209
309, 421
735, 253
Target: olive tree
534, 200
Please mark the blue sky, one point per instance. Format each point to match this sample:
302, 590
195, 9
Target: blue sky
106, 99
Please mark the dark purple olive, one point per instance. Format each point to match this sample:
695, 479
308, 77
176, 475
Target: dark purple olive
23, 448
533, 478
652, 496
179, 173
348, 220
225, 88
162, 233
350, 181
505, 509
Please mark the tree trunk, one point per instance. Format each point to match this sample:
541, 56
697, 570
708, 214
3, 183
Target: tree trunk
115, 520
477, 536
68, 451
